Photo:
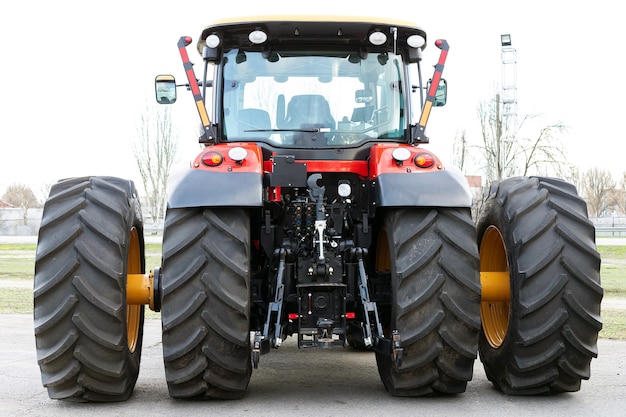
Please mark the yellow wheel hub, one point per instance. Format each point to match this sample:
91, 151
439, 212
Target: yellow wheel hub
133, 311
495, 280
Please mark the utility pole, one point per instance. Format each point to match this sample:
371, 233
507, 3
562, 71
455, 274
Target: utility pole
509, 99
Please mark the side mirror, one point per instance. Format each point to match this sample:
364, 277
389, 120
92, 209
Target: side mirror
165, 89
441, 95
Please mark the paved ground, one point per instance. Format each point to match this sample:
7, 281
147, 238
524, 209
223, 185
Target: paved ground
332, 382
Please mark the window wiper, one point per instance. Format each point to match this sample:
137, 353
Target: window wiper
312, 130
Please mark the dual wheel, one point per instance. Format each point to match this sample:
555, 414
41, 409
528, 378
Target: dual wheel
89, 333
542, 338
534, 253
535, 317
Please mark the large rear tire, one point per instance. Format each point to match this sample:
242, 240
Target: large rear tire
542, 340
433, 260
88, 339
206, 302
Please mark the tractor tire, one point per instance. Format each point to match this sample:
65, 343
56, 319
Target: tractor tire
433, 259
88, 339
542, 338
205, 308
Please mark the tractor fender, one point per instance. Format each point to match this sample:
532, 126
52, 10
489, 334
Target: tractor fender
201, 188
445, 188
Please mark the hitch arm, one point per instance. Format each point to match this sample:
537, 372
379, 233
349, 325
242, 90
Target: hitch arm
369, 307
261, 342
419, 130
208, 134
276, 306
376, 339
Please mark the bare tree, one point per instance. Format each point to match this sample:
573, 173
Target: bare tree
155, 151
20, 195
498, 153
620, 194
597, 186
543, 154
44, 191
460, 150
507, 153
616, 198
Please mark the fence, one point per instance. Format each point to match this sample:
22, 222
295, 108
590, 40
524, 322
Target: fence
610, 226
12, 222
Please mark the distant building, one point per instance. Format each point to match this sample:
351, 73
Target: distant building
474, 181
4, 204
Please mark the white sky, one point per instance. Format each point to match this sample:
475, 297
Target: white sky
76, 75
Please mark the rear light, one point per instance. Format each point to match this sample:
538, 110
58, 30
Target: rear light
424, 160
292, 316
212, 159
350, 315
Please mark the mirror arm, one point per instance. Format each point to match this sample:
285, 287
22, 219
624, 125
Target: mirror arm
208, 134
418, 131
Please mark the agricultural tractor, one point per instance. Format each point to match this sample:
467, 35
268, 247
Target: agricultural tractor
314, 210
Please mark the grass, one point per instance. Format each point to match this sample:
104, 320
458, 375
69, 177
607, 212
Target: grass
614, 280
19, 268
17, 262
612, 252
614, 324
16, 300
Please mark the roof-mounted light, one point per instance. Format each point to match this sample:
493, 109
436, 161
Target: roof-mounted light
377, 38
212, 41
416, 41
257, 36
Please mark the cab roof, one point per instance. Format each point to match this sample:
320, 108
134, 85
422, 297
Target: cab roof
308, 29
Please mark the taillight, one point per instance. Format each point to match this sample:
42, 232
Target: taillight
212, 159
350, 315
292, 316
424, 160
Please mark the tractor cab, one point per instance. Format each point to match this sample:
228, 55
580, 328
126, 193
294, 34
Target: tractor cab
309, 83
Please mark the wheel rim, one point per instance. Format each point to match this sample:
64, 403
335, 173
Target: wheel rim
494, 314
383, 264
383, 259
133, 312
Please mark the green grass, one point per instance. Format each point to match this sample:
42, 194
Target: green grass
612, 252
16, 300
21, 246
614, 324
613, 278
17, 268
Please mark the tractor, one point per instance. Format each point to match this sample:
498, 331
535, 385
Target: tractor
314, 211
